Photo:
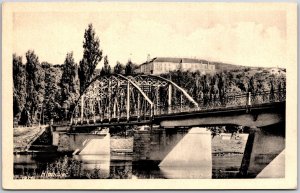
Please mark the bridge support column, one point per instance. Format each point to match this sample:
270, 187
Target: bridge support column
155, 144
141, 145
82, 143
248, 151
263, 145
96, 146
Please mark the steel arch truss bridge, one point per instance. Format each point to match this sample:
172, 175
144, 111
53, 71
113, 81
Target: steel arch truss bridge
116, 98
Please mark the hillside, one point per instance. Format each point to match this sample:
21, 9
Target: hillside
220, 66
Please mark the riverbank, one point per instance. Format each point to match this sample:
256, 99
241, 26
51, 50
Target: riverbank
24, 136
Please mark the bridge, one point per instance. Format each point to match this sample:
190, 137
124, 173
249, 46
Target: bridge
116, 100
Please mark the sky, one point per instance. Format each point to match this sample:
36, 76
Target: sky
251, 38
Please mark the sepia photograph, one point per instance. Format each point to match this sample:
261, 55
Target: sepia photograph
149, 95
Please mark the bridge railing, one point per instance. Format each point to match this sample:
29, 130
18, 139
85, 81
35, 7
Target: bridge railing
269, 97
106, 117
229, 101
213, 103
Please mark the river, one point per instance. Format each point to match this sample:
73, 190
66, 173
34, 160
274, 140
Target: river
226, 158
113, 167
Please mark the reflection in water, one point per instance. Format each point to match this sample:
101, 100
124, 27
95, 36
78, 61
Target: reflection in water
83, 166
185, 172
114, 167
146, 170
226, 160
121, 170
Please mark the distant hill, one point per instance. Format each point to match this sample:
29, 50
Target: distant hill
220, 66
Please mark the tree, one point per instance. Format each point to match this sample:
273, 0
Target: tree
205, 86
35, 85
272, 96
69, 79
118, 69
252, 85
106, 69
92, 55
69, 82
53, 94
46, 65
19, 85
129, 68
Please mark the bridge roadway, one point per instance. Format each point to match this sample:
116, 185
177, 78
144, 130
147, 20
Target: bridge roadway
258, 115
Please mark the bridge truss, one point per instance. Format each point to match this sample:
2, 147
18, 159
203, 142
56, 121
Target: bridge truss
116, 98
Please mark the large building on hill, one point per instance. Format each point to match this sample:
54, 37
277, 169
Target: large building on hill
160, 65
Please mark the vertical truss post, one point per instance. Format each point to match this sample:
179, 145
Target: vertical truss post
122, 104
109, 100
249, 99
128, 101
138, 106
87, 110
93, 110
100, 110
170, 99
151, 113
181, 101
115, 108
118, 110
81, 111
157, 100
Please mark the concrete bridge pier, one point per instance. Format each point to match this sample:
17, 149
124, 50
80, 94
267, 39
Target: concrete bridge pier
263, 146
156, 143
182, 152
82, 143
141, 145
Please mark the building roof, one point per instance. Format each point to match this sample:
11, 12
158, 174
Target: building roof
167, 59
176, 60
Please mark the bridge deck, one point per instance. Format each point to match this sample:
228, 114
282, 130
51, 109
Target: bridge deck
156, 119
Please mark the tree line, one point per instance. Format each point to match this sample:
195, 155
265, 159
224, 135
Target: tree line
205, 88
44, 92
